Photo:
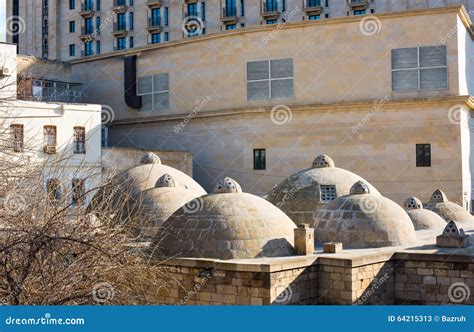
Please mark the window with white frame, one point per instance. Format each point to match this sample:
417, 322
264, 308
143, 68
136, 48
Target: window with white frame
419, 69
154, 91
270, 79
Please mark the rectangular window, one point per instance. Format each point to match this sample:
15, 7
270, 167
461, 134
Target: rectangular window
167, 36
259, 159
156, 38
423, 155
17, 135
131, 42
79, 140
154, 91
121, 43
89, 25
121, 22
97, 25
359, 12
270, 79
72, 26
283, 5
230, 27
130, 23
97, 6
78, 191
72, 4
104, 136
131, 2
328, 193
49, 139
242, 8
314, 17
88, 48
97, 47
203, 11
72, 50
166, 16
192, 9
272, 21
53, 189
419, 69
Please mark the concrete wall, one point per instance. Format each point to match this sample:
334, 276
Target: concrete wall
8, 83
120, 159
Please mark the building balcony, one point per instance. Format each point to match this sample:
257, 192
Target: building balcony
358, 4
117, 48
119, 6
86, 53
154, 25
87, 33
313, 7
190, 1
119, 30
87, 9
270, 10
229, 15
154, 3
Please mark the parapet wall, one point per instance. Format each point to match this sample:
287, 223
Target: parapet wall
390, 278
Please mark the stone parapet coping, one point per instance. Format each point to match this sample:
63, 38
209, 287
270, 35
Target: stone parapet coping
346, 260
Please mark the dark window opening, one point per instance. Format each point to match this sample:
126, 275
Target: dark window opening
423, 155
259, 159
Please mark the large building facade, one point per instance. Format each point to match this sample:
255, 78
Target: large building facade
70, 29
258, 104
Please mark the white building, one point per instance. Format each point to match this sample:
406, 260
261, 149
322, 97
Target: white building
65, 138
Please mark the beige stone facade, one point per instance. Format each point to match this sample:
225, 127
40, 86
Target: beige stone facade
343, 104
244, 14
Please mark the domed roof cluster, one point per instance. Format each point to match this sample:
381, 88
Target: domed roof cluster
422, 218
440, 204
363, 219
227, 224
145, 195
301, 195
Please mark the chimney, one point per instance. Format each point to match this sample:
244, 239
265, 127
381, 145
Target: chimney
304, 240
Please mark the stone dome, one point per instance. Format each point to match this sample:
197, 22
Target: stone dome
226, 225
125, 189
422, 218
363, 219
446, 209
159, 203
302, 194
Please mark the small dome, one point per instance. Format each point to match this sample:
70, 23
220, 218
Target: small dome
226, 225
413, 203
227, 185
302, 194
446, 209
323, 160
420, 217
165, 181
359, 188
363, 220
438, 197
150, 158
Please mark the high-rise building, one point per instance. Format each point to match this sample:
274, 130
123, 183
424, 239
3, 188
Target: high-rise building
69, 29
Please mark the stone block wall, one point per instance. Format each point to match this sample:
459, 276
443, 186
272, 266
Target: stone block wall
431, 279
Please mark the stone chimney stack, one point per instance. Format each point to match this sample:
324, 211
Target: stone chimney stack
304, 240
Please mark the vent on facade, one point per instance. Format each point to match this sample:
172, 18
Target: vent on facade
49, 149
5, 71
130, 83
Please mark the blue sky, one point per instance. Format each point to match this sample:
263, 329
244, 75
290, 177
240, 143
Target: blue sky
2, 20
